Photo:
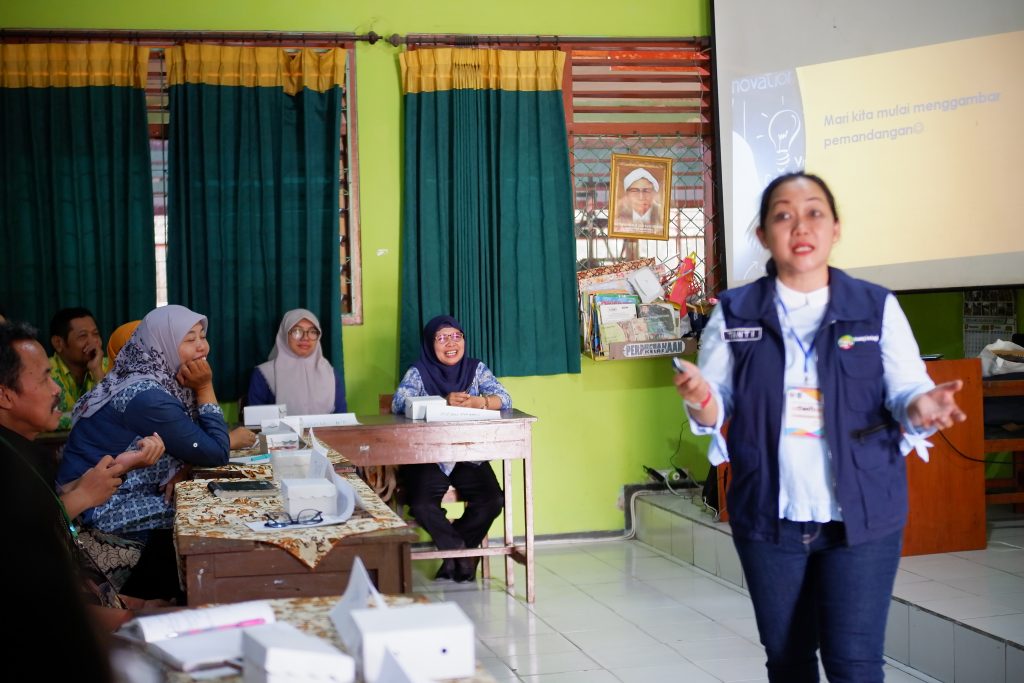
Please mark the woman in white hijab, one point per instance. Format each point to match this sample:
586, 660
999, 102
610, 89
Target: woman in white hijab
296, 373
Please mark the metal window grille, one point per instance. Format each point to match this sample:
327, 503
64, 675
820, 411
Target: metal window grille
650, 100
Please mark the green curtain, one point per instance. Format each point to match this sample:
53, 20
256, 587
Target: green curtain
253, 210
76, 192
487, 216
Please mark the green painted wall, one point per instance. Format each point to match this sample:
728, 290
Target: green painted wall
595, 428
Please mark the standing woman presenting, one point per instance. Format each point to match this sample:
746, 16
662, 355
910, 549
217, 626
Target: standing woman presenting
822, 382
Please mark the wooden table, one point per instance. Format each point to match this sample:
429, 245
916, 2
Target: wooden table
232, 570
395, 440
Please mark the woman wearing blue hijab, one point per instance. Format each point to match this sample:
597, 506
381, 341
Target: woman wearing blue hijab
443, 369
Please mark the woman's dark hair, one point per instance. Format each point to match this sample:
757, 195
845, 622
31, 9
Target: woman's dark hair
766, 196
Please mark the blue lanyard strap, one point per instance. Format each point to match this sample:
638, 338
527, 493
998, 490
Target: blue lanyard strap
808, 351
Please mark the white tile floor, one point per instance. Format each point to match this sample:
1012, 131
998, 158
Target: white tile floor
614, 611
957, 617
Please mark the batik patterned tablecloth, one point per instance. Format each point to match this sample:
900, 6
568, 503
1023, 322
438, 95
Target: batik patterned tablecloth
202, 514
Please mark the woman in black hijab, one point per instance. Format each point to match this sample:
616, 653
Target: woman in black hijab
443, 369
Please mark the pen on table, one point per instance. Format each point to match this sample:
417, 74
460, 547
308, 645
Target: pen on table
226, 627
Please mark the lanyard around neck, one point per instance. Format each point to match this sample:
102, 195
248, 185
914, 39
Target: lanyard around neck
807, 351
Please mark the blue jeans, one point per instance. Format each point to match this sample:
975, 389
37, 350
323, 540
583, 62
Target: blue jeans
811, 590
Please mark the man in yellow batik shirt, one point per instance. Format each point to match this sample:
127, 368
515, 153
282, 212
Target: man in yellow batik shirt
78, 362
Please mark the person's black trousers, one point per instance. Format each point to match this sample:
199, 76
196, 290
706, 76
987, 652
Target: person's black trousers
425, 485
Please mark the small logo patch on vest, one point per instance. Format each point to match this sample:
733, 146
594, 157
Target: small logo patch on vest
741, 334
847, 341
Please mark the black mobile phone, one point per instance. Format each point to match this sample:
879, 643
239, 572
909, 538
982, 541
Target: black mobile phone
244, 487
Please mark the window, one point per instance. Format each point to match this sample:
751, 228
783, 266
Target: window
649, 100
349, 280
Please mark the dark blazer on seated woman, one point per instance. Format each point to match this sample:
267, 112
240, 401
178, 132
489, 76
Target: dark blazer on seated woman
296, 373
443, 369
139, 397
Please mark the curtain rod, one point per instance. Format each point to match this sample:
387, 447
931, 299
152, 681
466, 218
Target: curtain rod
323, 38
469, 39
183, 36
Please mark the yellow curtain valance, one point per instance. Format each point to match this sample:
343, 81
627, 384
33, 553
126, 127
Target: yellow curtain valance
265, 67
466, 68
72, 65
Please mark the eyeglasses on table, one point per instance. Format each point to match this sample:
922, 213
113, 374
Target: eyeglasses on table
278, 520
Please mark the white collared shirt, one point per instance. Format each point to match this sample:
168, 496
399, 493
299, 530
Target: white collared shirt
805, 479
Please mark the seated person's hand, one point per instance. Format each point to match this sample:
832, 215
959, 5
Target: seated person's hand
94, 364
195, 374
139, 604
240, 437
100, 482
459, 398
150, 449
464, 400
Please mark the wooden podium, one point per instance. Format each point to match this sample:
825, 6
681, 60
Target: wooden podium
947, 493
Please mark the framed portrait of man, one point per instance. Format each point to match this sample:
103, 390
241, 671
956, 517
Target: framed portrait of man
639, 195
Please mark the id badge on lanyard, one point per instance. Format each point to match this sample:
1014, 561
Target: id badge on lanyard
804, 416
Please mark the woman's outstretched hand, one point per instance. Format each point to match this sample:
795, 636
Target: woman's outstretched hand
937, 408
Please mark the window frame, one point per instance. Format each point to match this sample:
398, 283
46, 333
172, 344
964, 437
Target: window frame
349, 233
692, 66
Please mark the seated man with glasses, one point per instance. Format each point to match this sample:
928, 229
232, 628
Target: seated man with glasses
444, 369
296, 373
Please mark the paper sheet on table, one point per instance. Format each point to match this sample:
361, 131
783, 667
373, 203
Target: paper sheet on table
359, 594
189, 622
393, 671
301, 423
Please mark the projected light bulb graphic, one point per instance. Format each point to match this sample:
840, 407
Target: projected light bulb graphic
783, 129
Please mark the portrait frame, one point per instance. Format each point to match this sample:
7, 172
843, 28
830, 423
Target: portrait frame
622, 208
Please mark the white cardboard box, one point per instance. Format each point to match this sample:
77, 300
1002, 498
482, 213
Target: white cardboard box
288, 441
309, 494
279, 652
291, 464
436, 639
253, 416
416, 406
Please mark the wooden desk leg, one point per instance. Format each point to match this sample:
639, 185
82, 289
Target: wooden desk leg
528, 515
510, 540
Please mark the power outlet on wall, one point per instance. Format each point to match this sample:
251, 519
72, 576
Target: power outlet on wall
675, 476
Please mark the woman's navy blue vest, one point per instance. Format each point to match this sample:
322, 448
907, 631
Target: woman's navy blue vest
869, 474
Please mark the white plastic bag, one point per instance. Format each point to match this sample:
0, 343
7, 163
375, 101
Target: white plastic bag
996, 358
